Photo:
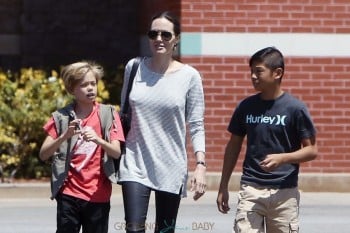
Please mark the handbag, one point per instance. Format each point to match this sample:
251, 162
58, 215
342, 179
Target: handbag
125, 116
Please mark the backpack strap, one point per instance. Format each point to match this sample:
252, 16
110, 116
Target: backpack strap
62, 117
110, 165
106, 119
61, 160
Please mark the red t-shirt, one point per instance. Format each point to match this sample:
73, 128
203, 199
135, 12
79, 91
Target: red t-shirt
86, 178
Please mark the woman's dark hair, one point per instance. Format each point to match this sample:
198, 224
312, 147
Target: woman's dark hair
270, 56
172, 18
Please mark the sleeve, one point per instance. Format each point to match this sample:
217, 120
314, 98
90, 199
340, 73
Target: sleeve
116, 132
237, 125
50, 128
305, 124
195, 112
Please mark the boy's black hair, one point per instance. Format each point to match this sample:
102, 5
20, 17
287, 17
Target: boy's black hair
270, 56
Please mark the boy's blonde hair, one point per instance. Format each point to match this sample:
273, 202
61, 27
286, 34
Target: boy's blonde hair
73, 73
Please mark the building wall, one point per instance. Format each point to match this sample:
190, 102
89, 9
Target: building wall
219, 36
60, 32
9, 33
48, 33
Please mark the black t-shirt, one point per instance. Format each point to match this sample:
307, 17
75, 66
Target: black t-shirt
271, 126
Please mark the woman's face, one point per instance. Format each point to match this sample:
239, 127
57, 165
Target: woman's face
161, 36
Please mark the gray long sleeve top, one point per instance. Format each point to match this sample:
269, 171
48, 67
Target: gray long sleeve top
162, 105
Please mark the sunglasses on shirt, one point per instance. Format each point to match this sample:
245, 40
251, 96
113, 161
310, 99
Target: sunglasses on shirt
165, 35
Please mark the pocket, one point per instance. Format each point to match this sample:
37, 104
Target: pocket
293, 228
248, 221
239, 222
242, 192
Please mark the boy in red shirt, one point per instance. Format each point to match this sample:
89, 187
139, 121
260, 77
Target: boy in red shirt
83, 139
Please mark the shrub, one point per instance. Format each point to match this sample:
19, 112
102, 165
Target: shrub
27, 100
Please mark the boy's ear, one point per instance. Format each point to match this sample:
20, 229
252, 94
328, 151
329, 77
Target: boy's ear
278, 73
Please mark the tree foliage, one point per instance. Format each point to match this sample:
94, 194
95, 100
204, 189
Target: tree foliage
27, 100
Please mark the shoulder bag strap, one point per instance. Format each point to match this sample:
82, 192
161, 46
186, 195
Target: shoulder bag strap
131, 80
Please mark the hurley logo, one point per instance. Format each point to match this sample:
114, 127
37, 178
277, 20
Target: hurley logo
272, 120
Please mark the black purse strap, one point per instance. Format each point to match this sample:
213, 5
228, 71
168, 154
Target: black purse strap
133, 71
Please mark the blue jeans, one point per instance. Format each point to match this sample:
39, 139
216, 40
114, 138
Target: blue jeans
136, 199
74, 213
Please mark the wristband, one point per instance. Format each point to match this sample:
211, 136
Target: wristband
202, 163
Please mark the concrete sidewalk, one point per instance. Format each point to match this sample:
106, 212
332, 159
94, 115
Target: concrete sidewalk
26, 207
42, 191
320, 212
308, 182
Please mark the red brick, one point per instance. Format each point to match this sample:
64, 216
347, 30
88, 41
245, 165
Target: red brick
321, 82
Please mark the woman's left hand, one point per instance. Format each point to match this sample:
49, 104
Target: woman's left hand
198, 182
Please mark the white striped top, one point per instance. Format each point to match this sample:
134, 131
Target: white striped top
162, 105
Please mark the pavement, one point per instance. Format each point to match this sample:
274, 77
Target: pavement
308, 182
26, 208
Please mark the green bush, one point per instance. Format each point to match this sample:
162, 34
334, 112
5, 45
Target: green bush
27, 100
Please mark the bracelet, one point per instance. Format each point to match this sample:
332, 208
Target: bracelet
202, 163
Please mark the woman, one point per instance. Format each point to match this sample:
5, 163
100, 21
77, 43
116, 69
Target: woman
165, 96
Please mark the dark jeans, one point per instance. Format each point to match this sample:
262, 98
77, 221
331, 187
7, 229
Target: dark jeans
73, 213
136, 199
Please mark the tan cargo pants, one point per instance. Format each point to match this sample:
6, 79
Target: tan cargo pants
261, 210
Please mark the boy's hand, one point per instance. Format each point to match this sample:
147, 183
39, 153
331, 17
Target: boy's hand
222, 201
271, 162
90, 135
73, 129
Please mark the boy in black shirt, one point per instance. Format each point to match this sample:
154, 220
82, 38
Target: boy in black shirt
280, 135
